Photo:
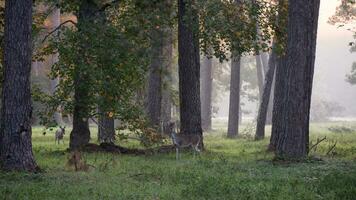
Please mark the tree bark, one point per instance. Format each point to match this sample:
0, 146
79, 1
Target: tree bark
154, 92
270, 103
16, 131
206, 93
264, 103
278, 103
264, 60
80, 135
189, 69
106, 128
298, 70
166, 103
55, 19
234, 108
259, 69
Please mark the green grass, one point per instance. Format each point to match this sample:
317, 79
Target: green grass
229, 169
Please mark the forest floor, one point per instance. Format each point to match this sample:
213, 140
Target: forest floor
229, 169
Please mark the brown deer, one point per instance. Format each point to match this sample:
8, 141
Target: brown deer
184, 140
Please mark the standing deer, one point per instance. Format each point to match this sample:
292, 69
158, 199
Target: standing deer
60, 134
183, 141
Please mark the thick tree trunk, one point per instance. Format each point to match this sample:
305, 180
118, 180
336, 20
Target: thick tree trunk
166, 111
166, 103
154, 90
264, 103
55, 19
234, 108
206, 93
15, 139
106, 128
80, 135
292, 126
259, 69
189, 69
278, 103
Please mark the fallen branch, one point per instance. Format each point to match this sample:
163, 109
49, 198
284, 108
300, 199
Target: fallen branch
331, 148
318, 141
112, 148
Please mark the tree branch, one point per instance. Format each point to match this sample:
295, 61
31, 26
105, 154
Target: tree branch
105, 6
57, 28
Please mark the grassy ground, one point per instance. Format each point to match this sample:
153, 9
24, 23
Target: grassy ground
229, 169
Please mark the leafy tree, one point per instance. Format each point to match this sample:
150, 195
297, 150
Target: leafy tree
105, 62
346, 14
233, 29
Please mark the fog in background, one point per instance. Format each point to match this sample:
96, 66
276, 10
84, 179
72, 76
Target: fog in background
333, 62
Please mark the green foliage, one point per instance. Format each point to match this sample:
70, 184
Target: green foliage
230, 169
346, 14
105, 59
244, 27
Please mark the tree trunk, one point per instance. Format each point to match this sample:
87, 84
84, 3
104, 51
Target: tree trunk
189, 69
264, 59
106, 128
278, 103
16, 131
264, 103
80, 135
270, 103
292, 126
234, 108
55, 19
206, 93
154, 92
166, 111
259, 69
166, 103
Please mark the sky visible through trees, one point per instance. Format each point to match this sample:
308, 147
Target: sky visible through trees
333, 62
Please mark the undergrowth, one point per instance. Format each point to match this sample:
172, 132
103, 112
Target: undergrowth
229, 169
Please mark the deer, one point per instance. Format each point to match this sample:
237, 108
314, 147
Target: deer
184, 140
60, 134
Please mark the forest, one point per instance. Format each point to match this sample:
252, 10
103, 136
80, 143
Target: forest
177, 99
